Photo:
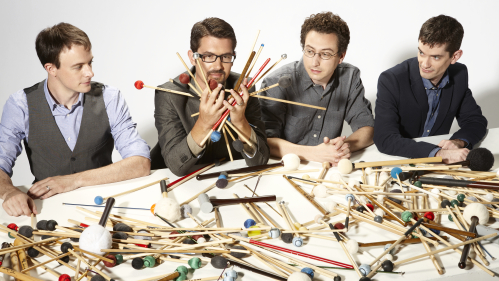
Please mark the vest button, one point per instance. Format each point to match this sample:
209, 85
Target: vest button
73, 159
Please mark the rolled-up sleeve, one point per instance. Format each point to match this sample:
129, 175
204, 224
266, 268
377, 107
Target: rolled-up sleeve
126, 137
358, 112
12, 130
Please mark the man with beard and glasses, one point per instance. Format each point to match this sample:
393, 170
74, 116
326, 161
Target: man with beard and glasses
320, 78
421, 96
69, 126
180, 135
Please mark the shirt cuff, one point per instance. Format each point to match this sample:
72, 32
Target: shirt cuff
193, 146
469, 146
434, 151
248, 150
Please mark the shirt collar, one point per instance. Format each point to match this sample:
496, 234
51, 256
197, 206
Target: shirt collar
306, 82
50, 100
445, 80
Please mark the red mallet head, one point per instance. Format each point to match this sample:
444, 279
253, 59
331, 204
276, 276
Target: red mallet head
64, 277
109, 264
184, 78
139, 85
213, 84
429, 215
13, 226
370, 206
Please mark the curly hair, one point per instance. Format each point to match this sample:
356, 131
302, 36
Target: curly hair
51, 41
441, 30
211, 27
327, 23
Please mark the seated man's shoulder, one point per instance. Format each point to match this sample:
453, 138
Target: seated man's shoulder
289, 69
403, 67
458, 69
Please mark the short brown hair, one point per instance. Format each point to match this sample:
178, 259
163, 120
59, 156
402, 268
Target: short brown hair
51, 41
211, 27
442, 30
327, 23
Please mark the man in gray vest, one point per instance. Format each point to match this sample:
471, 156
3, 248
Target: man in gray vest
69, 126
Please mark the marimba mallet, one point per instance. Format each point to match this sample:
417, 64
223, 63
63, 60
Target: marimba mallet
185, 79
167, 207
139, 85
207, 204
474, 214
221, 263
2, 256
97, 237
99, 199
307, 196
345, 166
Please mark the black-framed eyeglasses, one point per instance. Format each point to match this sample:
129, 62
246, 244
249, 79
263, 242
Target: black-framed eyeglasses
323, 55
226, 58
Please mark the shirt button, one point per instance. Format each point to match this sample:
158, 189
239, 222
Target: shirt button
319, 117
69, 139
67, 115
315, 135
428, 131
73, 159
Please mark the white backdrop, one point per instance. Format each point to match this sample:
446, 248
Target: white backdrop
138, 40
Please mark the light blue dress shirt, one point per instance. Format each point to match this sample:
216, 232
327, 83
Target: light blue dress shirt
434, 94
14, 125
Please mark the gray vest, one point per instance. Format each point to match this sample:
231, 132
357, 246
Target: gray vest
48, 152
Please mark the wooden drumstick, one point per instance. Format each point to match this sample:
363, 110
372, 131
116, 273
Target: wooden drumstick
89, 265
432, 257
45, 262
21, 254
189, 71
241, 135
227, 143
254, 61
197, 57
18, 275
140, 85
307, 196
325, 168
287, 101
188, 83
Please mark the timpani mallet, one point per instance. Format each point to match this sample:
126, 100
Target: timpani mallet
97, 237
474, 214
167, 207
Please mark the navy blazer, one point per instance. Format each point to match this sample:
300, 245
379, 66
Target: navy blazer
402, 107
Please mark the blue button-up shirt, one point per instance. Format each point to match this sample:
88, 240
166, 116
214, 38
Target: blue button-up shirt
14, 125
434, 94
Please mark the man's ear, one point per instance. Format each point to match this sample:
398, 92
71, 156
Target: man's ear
190, 54
456, 56
342, 57
51, 69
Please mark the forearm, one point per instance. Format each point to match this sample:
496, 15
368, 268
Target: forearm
280, 147
129, 168
199, 132
361, 138
6, 185
244, 127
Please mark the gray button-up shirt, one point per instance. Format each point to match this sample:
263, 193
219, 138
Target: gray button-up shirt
343, 99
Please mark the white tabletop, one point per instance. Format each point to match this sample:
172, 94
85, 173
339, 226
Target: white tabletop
233, 216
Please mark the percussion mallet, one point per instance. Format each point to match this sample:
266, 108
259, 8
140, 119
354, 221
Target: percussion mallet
185, 79
140, 85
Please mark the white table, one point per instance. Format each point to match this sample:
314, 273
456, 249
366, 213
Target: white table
234, 216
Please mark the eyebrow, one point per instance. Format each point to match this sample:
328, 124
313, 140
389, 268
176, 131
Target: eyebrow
439, 55
327, 49
81, 63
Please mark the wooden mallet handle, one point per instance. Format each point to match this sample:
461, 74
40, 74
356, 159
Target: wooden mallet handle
239, 171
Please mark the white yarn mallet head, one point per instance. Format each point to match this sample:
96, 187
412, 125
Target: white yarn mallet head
345, 166
476, 210
291, 162
166, 207
97, 237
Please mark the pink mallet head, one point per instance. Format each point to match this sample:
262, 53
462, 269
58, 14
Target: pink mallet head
139, 85
184, 78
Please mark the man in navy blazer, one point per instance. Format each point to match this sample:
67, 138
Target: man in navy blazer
421, 96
